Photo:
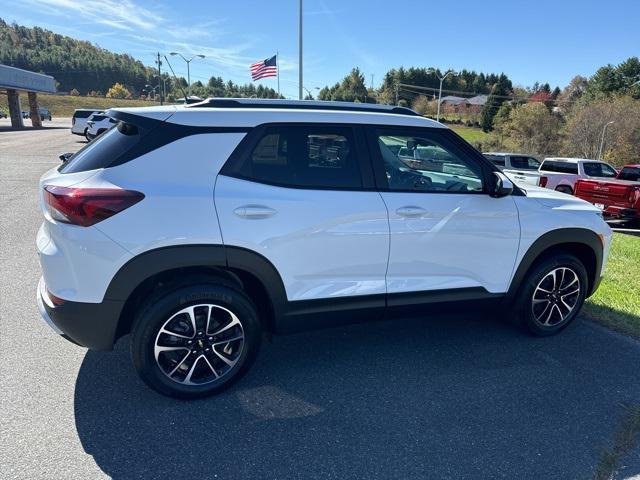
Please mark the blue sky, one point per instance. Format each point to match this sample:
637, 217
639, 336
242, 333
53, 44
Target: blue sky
545, 41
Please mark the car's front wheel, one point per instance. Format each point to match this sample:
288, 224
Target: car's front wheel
196, 340
552, 294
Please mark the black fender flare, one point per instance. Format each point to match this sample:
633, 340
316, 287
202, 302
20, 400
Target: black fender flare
156, 261
556, 238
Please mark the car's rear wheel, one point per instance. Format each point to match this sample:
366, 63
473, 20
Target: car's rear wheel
552, 294
564, 189
195, 341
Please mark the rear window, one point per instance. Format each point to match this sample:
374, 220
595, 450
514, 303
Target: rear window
496, 160
104, 150
560, 167
630, 173
596, 169
525, 163
83, 113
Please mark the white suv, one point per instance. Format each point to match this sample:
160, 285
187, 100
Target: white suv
197, 228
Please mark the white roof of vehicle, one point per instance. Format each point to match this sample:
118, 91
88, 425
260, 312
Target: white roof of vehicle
504, 154
572, 160
252, 112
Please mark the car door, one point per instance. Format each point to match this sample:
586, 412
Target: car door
447, 232
303, 197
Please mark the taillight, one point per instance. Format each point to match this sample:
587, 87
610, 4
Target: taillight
87, 206
543, 181
73, 121
634, 195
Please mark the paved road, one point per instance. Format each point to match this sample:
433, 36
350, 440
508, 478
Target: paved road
422, 398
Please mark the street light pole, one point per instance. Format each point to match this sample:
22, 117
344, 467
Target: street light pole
300, 84
188, 69
604, 131
450, 72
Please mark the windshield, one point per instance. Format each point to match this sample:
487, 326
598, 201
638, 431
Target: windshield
630, 173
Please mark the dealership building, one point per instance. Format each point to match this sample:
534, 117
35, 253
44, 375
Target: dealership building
13, 81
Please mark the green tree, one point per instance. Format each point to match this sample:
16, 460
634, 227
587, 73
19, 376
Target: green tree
530, 128
495, 99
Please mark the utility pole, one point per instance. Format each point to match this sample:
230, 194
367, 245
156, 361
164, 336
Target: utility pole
397, 91
162, 93
300, 83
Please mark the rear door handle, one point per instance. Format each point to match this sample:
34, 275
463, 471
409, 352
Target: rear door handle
254, 211
411, 211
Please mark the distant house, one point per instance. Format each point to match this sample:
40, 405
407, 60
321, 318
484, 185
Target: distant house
453, 104
540, 97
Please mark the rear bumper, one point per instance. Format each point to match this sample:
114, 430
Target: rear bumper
621, 213
90, 325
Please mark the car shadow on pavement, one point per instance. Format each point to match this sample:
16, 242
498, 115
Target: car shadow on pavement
462, 397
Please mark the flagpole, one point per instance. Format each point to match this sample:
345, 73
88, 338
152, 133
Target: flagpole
278, 70
300, 52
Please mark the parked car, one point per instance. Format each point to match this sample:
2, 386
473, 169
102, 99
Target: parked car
79, 120
519, 167
562, 173
618, 198
45, 114
198, 228
97, 124
3, 114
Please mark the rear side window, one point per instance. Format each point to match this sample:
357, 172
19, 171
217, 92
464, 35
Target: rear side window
97, 118
630, 173
595, 169
83, 113
559, 167
304, 156
496, 160
525, 163
103, 151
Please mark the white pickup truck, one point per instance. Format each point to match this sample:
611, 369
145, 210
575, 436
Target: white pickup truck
561, 173
521, 168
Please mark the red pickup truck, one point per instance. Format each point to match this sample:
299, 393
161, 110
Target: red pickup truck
618, 198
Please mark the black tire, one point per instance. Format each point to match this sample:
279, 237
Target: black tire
531, 315
564, 189
86, 134
157, 311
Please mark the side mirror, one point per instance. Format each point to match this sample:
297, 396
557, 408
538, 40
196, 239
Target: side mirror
65, 156
503, 186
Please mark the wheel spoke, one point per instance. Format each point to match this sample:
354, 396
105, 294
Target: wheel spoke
211, 366
228, 340
570, 293
174, 334
566, 287
160, 349
192, 369
234, 321
175, 369
231, 363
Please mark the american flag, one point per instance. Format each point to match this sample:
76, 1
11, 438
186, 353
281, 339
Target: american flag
265, 68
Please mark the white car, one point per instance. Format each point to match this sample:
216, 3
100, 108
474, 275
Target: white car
562, 172
97, 124
79, 120
199, 228
521, 168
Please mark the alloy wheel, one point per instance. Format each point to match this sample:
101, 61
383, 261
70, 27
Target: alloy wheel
199, 344
555, 297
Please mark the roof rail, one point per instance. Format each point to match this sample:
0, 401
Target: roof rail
300, 105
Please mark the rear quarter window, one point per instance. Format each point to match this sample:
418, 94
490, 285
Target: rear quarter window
559, 167
104, 150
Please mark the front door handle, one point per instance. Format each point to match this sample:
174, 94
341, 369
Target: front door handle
254, 211
411, 211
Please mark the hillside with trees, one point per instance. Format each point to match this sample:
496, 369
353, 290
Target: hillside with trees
75, 64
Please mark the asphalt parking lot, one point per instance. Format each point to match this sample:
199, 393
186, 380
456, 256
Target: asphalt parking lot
464, 397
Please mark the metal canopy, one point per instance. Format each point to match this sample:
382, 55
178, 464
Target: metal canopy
24, 80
